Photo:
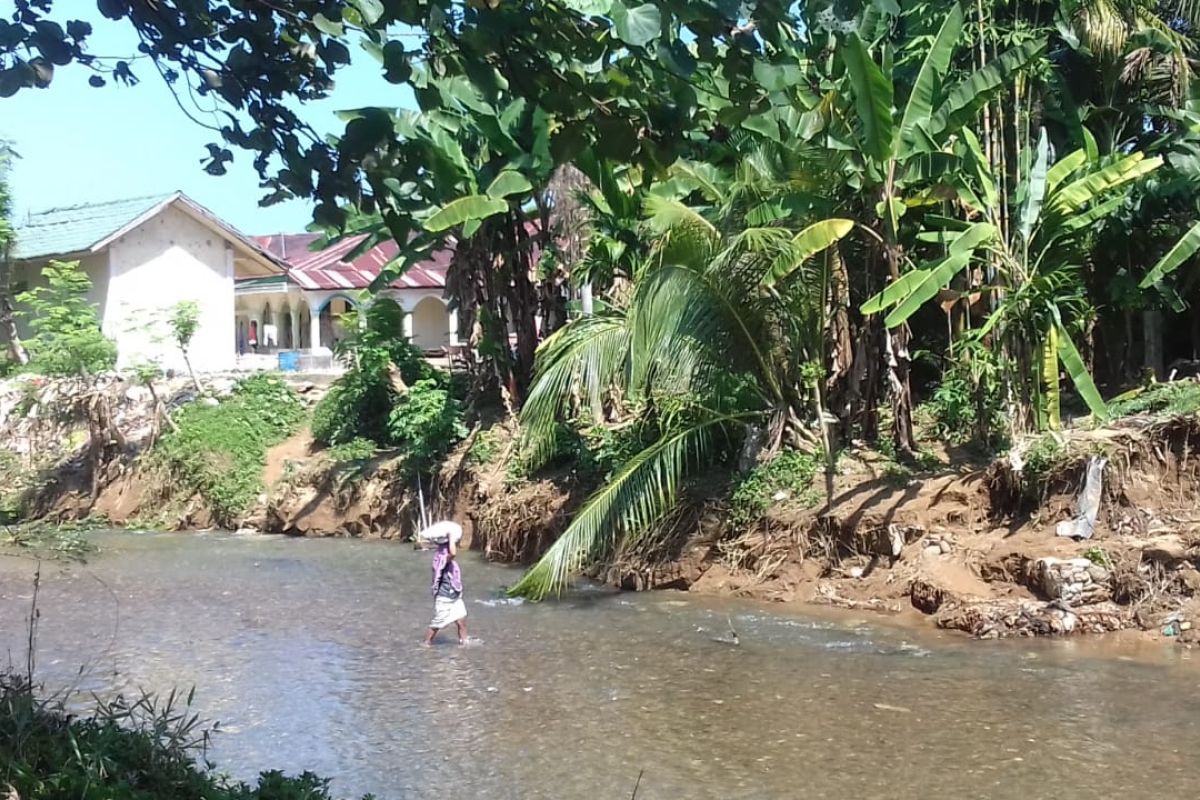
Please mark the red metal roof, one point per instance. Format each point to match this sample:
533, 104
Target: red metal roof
326, 269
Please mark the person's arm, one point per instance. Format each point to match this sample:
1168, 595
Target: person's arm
453, 547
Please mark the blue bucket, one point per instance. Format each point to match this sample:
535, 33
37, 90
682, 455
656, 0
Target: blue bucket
289, 361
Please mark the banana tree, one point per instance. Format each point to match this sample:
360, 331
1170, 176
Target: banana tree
1039, 291
904, 153
714, 343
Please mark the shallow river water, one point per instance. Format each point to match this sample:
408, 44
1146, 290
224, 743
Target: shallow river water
305, 651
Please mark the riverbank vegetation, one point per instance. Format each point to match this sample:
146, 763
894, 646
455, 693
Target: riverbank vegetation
218, 448
719, 260
143, 747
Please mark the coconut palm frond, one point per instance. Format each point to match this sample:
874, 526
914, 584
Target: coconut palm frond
685, 236
586, 359
636, 497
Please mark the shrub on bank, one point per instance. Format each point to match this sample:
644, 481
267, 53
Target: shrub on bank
389, 395
360, 402
141, 749
219, 451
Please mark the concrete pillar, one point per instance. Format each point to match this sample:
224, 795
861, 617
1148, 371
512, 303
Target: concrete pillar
408, 329
585, 299
314, 328
453, 315
295, 328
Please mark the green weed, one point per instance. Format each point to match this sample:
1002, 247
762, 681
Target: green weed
791, 472
219, 450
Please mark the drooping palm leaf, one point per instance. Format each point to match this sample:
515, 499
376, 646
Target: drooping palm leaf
586, 359
1077, 370
633, 500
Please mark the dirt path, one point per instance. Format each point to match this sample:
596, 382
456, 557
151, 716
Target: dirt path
296, 448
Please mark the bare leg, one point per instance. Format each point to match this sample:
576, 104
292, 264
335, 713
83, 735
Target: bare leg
462, 630
432, 632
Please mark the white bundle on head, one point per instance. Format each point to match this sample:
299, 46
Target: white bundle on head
441, 532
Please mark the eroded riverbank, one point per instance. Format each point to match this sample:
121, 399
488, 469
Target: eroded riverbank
305, 650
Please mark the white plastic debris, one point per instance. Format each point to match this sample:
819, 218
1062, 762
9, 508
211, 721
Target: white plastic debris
1084, 523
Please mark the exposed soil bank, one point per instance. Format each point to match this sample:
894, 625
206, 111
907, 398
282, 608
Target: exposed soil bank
974, 548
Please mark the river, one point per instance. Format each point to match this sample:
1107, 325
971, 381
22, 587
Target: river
306, 651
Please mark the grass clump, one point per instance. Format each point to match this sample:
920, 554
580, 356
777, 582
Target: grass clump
357, 449
46, 540
791, 472
1176, 398
219, 451
134, 748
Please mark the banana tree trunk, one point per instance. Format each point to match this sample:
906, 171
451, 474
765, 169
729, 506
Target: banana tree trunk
898, 358
1051, 398
1152, 338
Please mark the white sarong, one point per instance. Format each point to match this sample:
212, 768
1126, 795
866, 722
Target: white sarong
446, 611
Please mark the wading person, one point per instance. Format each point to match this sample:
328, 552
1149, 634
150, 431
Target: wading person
448, 605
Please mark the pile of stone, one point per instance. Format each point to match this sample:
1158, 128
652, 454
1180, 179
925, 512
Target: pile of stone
999, 619
1075, 581
939, 544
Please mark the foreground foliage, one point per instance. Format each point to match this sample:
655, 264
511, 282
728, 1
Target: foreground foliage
218, 451
139, 748
67, 339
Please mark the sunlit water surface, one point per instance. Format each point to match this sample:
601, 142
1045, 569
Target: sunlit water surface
305, 650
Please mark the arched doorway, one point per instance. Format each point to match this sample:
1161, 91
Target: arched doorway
305, 332
430, 324
332, 330
287, 339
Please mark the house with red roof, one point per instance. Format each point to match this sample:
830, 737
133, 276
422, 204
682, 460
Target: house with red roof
143, 256
258, 295
301, 309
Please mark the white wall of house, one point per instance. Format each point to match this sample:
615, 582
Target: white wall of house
169, 258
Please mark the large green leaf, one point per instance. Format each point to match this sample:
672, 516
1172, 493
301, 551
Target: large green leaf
872, 98
508, 182
1032, 209
805, 245
1075, 367
1079, 193
591, 8
456, 212
962, 250
370, 10
919, 108
964, 101
637, 26
895, 291
1064, 168
1184, 249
